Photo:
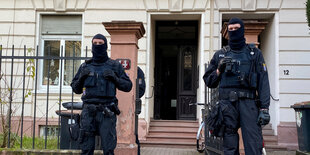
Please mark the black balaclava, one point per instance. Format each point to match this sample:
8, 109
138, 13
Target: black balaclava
236, 38
100, 54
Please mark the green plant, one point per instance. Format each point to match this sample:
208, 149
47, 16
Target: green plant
39, 142
308, 11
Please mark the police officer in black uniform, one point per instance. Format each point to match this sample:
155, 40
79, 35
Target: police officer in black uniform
240, 71
98, 79
141, 93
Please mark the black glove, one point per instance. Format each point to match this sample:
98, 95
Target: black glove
263, 117
110, 75
84, 73
222, 64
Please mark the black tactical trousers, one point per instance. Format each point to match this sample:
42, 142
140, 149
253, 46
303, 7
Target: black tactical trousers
94, 122
251, 131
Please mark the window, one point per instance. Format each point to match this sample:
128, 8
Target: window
60, 36
52, 130
70, 48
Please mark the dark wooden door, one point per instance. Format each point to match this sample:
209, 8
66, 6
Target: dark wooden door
187, 76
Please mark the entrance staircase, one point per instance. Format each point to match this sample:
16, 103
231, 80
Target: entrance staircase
182, 134
270, 140
171, 133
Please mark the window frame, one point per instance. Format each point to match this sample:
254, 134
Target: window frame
62, 39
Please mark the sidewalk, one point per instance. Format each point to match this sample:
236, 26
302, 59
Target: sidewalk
178, 151
168, 151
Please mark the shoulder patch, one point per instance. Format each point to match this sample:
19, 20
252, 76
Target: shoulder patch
264, 67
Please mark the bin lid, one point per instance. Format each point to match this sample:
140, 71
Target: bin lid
74, 105
68, 112
301, 105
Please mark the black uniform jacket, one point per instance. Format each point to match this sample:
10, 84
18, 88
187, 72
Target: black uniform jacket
212, 80
123, 84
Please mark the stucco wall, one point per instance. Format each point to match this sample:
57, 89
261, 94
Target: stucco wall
20, 23
294, 51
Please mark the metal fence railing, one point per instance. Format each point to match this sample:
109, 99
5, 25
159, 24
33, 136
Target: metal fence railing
214, 145
31, 69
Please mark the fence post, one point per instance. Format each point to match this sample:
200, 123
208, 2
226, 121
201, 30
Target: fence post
60, 89
11, 97
23, 102
35, 98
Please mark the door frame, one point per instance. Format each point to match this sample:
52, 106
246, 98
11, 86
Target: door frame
150, 55
179, 43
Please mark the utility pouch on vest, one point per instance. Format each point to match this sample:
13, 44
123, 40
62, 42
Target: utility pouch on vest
253, 74
111, 90
90, 81
229, 67
253, 80
242, 79
106, 87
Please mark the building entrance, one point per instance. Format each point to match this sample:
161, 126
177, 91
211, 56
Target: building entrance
175, 69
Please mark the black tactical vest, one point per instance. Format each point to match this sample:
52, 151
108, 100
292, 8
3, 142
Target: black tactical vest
240, 70
95, 85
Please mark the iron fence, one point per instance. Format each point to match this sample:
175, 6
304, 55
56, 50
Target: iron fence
35, 58
214, 145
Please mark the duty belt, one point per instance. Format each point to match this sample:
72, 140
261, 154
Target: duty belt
235, 95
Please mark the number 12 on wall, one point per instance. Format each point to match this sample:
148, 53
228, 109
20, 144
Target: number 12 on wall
286, 72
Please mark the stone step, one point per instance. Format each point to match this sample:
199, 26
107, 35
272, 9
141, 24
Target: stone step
175, 121
177, 134
173, 124
280, 152
274, 147
270, 138
161, 139
268, 133
182, 133
268, 127
173, 129
171, 135
271, 142
167, 144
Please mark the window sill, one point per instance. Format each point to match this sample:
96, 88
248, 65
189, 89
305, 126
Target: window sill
65, 90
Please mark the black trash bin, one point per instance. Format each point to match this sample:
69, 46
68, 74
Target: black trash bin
65, 139
302, 111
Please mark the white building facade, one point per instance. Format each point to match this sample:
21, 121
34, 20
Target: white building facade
285, 43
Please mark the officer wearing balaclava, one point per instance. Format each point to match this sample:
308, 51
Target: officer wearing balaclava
240, 72
97, 80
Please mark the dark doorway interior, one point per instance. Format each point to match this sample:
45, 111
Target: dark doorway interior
172, 37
